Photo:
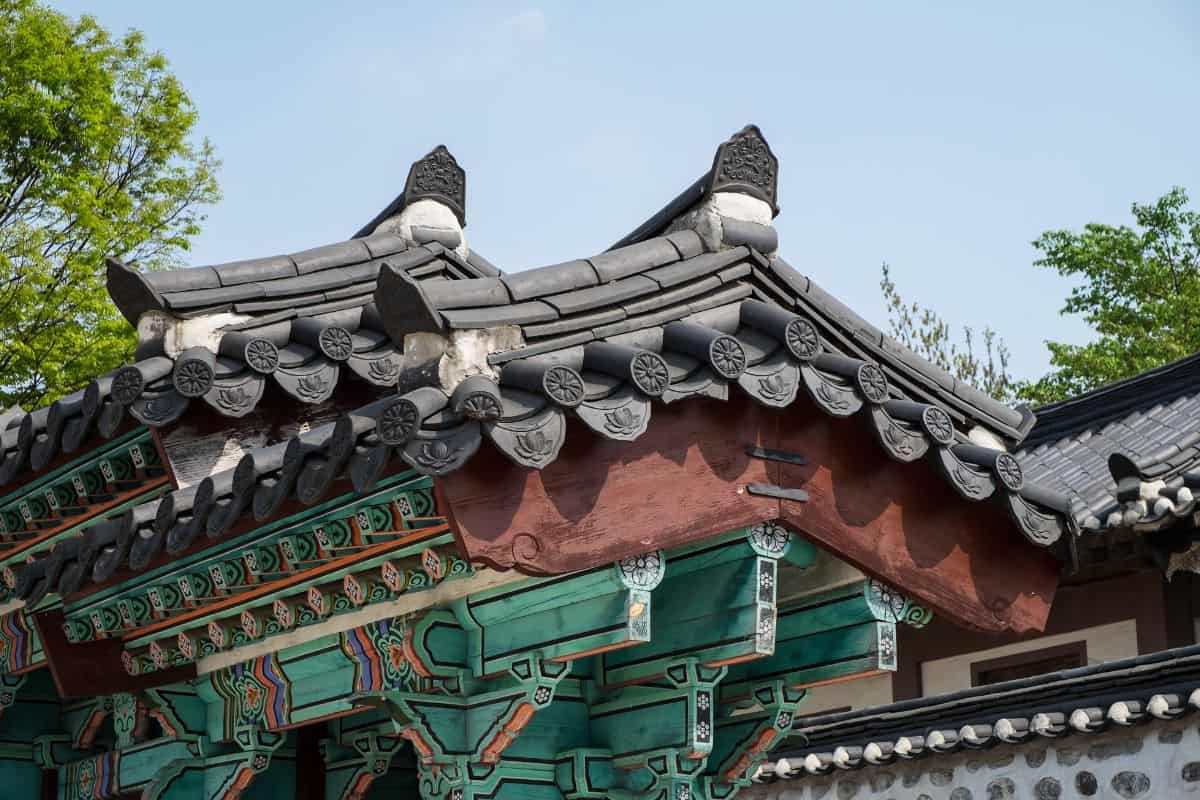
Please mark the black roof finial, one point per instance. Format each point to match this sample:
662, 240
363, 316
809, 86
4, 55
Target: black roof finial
438, 177
744, 163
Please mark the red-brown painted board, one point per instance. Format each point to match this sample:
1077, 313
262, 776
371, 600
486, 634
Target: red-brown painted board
94, 668
905, 524
603, 500
685, 479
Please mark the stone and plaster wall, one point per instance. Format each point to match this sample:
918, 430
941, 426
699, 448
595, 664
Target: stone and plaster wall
1160, 761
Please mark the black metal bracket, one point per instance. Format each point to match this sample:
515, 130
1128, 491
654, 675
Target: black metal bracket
770, 454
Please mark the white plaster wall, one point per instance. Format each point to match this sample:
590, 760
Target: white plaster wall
1160, 761
858, 693
1105, 643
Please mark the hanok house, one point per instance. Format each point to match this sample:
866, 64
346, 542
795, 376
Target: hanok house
377, 519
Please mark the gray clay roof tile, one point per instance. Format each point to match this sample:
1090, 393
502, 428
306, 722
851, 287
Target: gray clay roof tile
625, 261
255, 270
607, 294
698, 267
549, 280
330, 255
491, 317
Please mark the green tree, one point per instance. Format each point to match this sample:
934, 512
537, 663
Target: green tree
96, 159
1139, 291
983, 363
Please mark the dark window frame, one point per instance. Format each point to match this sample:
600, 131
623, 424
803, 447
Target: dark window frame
981, 669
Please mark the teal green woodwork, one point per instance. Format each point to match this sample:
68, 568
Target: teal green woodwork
745, 740
19, 775
43, 512
665, 676
557, 618
31, 708
258, 768
731, 620
304, 541
361, 764
823, 637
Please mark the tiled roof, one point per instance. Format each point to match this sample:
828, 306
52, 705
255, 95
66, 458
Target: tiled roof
1083, 701
293, 323
1126, 454
670, 315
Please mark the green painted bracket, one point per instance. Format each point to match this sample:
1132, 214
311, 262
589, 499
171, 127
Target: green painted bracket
53, 750
475, 728
745, 740
116, 773
508, 780
643, 725
732, 620
826, 636
889, 605
352, 778
179, 710
83, 719
585, 773
228, 775
9, 686
563, 619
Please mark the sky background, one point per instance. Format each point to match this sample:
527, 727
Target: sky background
937, 138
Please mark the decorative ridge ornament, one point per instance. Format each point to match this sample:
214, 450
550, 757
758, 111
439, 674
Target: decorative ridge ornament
745, 164
438, 177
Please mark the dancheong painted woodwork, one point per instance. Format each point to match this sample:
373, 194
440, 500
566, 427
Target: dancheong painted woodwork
378, 519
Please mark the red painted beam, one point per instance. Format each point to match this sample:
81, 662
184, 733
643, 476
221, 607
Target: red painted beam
94, 668
685, 479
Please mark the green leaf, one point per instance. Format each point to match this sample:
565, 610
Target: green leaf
96, 159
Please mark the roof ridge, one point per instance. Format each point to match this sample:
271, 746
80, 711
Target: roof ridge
1062, 418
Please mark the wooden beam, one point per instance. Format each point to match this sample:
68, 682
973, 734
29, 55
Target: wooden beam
603, 500
94, 668
685, 480
904, 523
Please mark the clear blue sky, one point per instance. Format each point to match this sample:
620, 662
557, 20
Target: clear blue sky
937, 138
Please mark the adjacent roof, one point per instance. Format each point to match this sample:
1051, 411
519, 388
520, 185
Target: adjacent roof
1073, 702
1126, 454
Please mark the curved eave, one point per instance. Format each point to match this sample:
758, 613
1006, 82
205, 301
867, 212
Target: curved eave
298, 336
612, 387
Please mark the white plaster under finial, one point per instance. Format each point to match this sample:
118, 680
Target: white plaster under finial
461, 354
178, 334
706, 218
425, 213
1149, 490
985, 438
467, 353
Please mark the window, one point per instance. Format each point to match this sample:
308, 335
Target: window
1026, 665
